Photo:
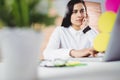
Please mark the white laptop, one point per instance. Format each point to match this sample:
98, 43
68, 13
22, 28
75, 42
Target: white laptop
113, 50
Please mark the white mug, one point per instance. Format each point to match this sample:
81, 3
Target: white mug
20, 52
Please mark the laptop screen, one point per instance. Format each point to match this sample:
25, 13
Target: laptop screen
113, 50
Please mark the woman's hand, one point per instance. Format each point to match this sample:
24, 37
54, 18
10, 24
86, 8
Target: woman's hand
85, 21
83, 53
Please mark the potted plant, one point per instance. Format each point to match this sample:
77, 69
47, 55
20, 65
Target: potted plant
22, 13
19, 43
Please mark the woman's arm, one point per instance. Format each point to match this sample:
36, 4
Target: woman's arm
88, 51
53, 49
83, 53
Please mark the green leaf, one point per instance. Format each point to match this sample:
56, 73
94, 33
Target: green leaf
24, 12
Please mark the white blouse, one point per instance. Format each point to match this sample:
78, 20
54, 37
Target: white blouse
63, 40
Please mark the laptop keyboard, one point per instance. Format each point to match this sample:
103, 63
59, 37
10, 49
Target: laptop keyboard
88, 59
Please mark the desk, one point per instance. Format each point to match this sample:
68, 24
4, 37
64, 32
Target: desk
93, 71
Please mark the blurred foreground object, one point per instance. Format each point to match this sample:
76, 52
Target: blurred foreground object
106, 21
112, 5
101, 41
22, 13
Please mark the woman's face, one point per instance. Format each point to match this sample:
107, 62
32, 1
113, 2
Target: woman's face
78, 14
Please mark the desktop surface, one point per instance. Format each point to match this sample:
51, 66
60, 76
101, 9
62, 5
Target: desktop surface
92, 71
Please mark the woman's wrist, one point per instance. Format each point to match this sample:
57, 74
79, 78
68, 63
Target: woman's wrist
71, 53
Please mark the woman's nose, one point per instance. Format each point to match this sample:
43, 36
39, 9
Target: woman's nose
79, 14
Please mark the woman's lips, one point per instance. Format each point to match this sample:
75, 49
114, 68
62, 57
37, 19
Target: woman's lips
80, 20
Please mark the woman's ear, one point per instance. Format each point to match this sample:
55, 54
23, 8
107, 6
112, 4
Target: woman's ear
87, 15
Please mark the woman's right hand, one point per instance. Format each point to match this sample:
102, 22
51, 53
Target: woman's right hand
85, 21
83, 53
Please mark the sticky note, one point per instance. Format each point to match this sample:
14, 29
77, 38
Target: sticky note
101, 41
106, 21
112, 5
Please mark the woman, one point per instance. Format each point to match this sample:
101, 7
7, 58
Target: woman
74, 38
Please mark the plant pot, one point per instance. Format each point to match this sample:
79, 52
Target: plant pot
20, 50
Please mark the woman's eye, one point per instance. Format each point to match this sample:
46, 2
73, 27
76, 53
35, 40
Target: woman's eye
74, 11
82, 11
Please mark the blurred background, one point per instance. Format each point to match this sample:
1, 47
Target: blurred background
43, 15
